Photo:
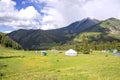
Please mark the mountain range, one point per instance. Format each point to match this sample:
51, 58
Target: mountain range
95, 30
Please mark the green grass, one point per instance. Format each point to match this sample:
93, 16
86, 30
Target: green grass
28, 65
91, 35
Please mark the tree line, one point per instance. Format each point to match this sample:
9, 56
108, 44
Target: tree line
86, 47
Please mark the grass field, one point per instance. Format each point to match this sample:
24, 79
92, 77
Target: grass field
28, 65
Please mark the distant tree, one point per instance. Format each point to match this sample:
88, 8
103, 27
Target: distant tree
114, 44
77, 47
86, 49
0, 38
93, 45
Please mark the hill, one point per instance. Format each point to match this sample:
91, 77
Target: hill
107, 30
100, 31
8, 42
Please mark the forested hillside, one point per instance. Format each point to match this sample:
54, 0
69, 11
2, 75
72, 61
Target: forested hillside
5, 41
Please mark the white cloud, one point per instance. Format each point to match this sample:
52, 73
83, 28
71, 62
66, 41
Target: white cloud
28, 13
60, 13
57, 13
103, 9
51, 19
25, 18
7, 31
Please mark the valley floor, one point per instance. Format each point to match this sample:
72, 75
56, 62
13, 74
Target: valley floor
29, 65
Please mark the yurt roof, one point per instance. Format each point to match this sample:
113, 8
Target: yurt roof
71, 51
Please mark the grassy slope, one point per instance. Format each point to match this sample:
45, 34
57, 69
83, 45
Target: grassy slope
107, 30
32, 66
92, 36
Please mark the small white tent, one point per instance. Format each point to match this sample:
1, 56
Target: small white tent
71, 52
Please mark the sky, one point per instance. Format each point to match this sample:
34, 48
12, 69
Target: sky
52, 14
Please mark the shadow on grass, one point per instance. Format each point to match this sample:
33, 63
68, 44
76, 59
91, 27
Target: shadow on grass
4, 57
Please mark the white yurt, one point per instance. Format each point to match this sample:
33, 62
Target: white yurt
71, 52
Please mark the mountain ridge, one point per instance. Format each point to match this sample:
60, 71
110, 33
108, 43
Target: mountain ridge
44, 39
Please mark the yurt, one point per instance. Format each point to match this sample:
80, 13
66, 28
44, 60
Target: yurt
71, 52
43, 53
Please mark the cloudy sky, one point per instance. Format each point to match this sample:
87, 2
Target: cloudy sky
52, 14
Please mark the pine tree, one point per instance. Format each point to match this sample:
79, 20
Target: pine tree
93, 45
86, 49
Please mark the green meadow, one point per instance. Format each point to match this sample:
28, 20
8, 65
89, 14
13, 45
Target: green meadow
28, 65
